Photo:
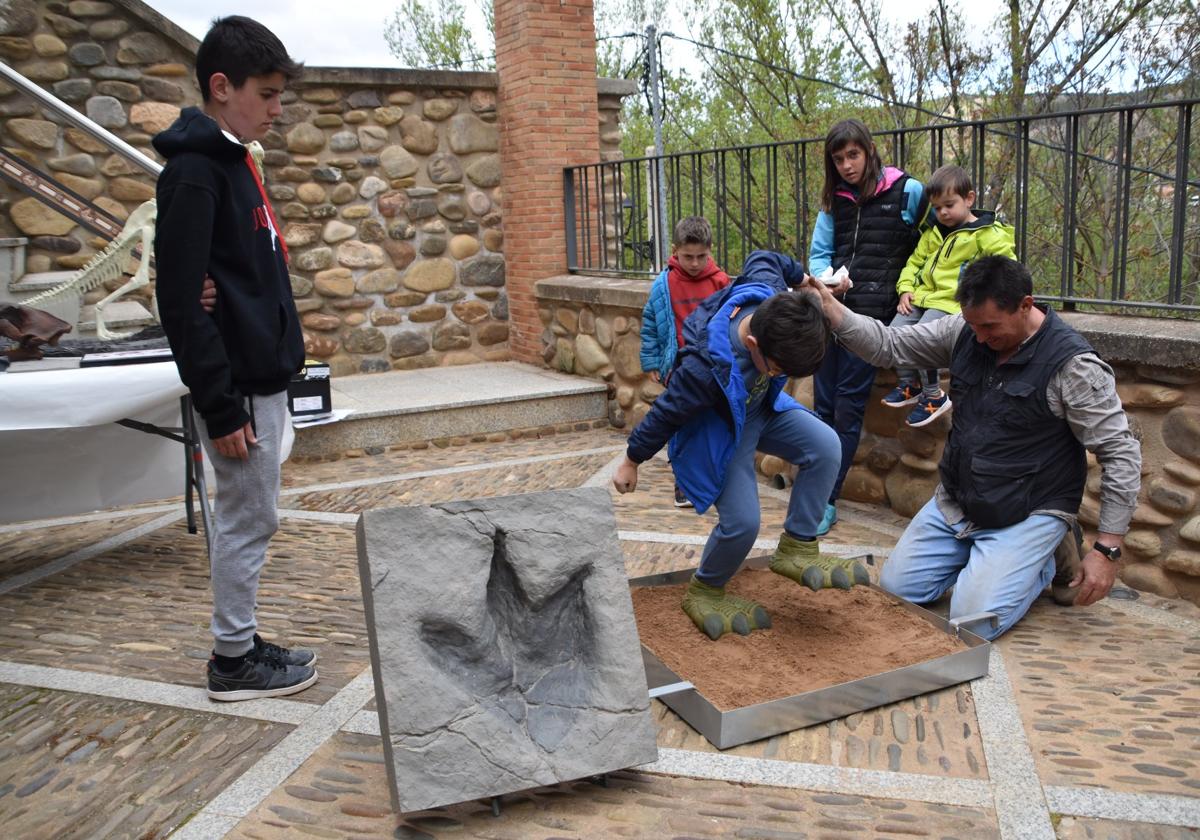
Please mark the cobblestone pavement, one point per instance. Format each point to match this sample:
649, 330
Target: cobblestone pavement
1088, 725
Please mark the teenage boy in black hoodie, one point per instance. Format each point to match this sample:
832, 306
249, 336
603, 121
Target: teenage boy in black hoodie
214, 219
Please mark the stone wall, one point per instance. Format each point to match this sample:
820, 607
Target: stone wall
387, 182
591, 327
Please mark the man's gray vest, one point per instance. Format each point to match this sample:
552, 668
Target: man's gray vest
1007, 454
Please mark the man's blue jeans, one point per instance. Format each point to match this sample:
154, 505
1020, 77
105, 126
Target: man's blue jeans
999, 570
798, 437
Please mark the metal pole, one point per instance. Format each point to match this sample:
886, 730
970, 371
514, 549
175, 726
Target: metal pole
660, 191
79, 120
651, 210
569, 176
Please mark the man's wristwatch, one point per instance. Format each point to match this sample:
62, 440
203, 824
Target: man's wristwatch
1111, 552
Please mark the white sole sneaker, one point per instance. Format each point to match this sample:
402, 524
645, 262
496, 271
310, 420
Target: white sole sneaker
942, 409
261, 693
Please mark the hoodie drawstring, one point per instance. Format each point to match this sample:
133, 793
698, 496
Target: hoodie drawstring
266, 203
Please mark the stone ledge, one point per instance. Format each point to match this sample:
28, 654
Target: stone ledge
365, 432
615, 87
405, 77
598, 291
161, 24
1161, 342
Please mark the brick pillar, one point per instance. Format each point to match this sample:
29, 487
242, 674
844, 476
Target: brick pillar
546, 102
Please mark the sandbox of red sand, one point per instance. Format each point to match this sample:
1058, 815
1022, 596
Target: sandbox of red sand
827, 654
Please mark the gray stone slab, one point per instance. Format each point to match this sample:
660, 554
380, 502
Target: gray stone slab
503, 645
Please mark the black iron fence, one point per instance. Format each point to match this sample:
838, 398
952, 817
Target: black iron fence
1105, 202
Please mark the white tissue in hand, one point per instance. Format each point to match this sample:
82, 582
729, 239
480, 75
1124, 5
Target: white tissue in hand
832, 278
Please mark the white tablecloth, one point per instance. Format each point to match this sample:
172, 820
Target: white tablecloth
61, 452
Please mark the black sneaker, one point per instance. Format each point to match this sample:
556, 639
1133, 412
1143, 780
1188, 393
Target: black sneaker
259, 676
289, 656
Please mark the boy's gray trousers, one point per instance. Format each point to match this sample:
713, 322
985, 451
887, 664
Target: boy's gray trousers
245, 517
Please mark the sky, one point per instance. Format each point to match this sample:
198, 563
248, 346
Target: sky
353, 37
318, 32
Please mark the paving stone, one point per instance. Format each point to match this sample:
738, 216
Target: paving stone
1087, 671
23, 551
185, 759
1086, 828
633, 804
156, 588
1105, 696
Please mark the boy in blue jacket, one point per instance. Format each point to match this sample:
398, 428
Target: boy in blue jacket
725, 400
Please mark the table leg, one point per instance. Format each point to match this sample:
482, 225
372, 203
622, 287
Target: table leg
194, 481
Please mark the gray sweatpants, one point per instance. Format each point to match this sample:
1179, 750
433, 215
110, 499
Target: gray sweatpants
245, 517
918, 315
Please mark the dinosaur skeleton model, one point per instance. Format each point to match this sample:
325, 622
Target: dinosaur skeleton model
108, 265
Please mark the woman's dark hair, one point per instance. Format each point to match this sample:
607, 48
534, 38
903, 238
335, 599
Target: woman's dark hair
240, 48
838, 138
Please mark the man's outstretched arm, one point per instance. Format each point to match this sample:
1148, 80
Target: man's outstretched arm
928, 345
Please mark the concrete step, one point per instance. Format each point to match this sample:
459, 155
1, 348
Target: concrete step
118, 315
38, 282
405, 406
12, 259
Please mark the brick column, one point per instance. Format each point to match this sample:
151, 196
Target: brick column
546, 102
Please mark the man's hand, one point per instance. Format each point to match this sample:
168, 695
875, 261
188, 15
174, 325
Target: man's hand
905, 305
842, 287
208, 295
833, 308
655, 376
625, 478
1097, 575
237, 444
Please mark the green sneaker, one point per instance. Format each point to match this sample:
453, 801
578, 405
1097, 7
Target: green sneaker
714, 613
804, 563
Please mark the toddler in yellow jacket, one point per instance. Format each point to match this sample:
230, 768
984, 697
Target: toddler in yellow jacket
928, 282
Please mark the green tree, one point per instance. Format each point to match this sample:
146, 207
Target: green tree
435, 35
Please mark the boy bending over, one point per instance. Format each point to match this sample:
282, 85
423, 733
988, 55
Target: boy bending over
724, 400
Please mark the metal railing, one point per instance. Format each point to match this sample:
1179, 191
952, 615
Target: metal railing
1105, 202
83, 123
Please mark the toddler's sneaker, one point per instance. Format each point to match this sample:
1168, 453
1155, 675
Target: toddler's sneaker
928, 409
905, 393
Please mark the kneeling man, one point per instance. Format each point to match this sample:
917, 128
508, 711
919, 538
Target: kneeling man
1030, 395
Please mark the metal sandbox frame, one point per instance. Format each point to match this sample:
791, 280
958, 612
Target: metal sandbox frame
730, 728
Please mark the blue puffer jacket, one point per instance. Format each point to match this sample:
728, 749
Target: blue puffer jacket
703, 410
659, 344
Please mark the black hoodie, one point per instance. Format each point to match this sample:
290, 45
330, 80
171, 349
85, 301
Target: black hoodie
214, 219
